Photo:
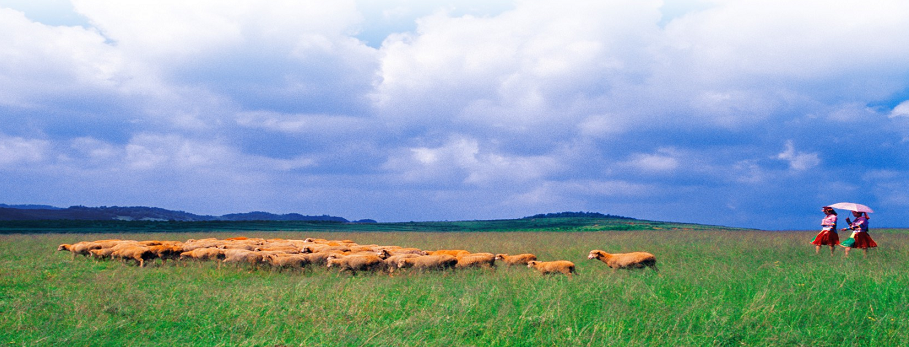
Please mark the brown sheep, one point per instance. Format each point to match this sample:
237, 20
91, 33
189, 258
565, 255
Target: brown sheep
102, 253
203, 254
239, 256
487, 260
517, 259
429, 262
354, 263
288, 261
82, 248
165, 252
452, 252
283, 249
548, 267
633, 260
391, 263
320, 258
138, 253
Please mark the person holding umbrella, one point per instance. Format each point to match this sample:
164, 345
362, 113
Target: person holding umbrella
860, 238
828, 235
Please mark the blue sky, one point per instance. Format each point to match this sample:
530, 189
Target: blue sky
739, 113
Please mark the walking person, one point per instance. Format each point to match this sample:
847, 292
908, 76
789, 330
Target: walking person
828, 235
860, 238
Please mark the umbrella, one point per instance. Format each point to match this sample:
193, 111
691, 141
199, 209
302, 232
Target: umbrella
851, 206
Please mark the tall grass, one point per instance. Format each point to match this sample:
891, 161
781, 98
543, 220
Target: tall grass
714, 288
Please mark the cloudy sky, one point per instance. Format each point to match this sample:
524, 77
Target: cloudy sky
730, 112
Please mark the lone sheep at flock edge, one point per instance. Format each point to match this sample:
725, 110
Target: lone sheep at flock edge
633, 260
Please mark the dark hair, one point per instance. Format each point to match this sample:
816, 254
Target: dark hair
830, 210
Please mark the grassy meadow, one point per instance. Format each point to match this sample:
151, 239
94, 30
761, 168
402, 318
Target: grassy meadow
714, 288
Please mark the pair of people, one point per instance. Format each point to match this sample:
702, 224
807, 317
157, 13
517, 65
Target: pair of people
829, 237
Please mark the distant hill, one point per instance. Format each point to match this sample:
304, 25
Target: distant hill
142, 213
257, 215
30, 207
577, 215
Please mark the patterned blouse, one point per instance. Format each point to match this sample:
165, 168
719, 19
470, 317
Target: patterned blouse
829, 221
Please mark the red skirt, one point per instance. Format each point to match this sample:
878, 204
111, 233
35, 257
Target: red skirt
826, 238
862, 240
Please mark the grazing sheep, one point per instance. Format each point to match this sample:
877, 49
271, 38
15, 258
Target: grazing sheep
487, 260
517, 259
633, 260
102, 253
165, 252
288, 261
452, 252
203, 254
191, 244
354, 263
239, 246
82, 248
239, 256
283, 249
548, 267
429, 262
320, 258
138, 253
391, 263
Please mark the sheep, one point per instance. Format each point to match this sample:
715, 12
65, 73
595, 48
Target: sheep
548, 267
165, 252
203, 254
191, 244
138, 253
517, 259
391, 262
487, 260
316, 248
429, 262
243, 256
320, 258
283, 249
294, 261
452, 252
102, 253
354, 263
82, 248
633, 260
395, 250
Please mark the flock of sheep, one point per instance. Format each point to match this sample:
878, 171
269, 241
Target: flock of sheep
344, 255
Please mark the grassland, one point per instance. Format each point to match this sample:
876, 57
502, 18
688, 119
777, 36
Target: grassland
715, 288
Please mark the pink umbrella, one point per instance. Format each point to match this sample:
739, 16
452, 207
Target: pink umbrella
851, 206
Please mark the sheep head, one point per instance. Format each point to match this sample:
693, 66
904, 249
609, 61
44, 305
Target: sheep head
596, 254
532, 263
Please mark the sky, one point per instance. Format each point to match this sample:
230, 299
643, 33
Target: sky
725, 112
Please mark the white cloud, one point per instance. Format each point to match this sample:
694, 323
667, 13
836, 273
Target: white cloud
798, 161
663, 161
314, 124
18, 150
38, 63
523, 60
462, 161
901, 110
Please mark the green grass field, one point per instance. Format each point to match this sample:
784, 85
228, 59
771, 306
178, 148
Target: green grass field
715, 287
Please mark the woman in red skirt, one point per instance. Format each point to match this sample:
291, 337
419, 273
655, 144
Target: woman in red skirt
828, 235
859, 234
